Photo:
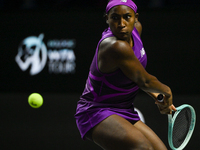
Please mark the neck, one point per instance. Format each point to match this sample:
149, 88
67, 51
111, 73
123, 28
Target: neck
130, 41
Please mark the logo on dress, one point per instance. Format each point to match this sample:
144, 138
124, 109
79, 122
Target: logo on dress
123, 1
142, 52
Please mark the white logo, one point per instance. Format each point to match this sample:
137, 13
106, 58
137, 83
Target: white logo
32, 52
123, 1
142, 52
62, 61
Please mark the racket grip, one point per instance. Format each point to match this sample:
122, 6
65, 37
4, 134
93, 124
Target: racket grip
160, 97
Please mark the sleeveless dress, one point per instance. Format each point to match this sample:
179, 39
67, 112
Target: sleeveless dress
108, 94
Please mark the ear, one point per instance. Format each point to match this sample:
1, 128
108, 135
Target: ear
106, 16
136, 17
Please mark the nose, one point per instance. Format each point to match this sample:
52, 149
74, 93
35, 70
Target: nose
121, 23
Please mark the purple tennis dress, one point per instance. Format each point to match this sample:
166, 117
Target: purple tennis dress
108, 94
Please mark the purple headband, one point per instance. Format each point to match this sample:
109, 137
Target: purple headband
128, 3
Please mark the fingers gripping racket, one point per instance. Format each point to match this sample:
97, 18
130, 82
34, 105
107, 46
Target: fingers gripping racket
180, 125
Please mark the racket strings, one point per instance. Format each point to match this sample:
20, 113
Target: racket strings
181, 126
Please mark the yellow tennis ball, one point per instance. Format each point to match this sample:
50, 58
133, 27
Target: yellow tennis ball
35, 100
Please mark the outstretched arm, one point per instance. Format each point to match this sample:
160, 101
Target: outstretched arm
119, 55
162, 109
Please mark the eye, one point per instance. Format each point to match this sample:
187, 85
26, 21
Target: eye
127, 16
115, 17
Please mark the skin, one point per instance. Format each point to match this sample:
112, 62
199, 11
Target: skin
116, 133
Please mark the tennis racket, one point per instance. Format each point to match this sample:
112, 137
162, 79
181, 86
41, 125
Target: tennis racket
180, 125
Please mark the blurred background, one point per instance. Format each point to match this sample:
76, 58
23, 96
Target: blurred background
46, 46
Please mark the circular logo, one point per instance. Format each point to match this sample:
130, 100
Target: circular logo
32, 52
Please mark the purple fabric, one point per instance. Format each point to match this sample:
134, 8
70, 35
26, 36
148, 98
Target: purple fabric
129, 3
108, 94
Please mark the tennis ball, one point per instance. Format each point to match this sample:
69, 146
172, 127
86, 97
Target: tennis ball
35, 100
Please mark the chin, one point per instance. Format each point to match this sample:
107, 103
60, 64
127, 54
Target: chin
125, 37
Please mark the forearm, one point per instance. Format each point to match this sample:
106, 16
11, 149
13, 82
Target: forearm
133, 69
153, 86
153, 95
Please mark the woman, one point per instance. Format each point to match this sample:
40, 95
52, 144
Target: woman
105, 112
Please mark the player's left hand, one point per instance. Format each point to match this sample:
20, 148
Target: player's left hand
165, 109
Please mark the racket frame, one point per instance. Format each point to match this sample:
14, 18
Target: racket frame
171, 120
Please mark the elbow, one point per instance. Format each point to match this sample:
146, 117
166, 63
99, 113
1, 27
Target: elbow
146, 83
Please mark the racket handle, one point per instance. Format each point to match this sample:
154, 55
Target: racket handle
160, 97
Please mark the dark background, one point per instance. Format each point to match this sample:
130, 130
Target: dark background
171, 40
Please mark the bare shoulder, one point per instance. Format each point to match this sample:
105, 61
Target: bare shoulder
114, 46
111, 52
138, 26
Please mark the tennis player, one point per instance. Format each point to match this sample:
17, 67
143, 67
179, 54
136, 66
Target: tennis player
105, 112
